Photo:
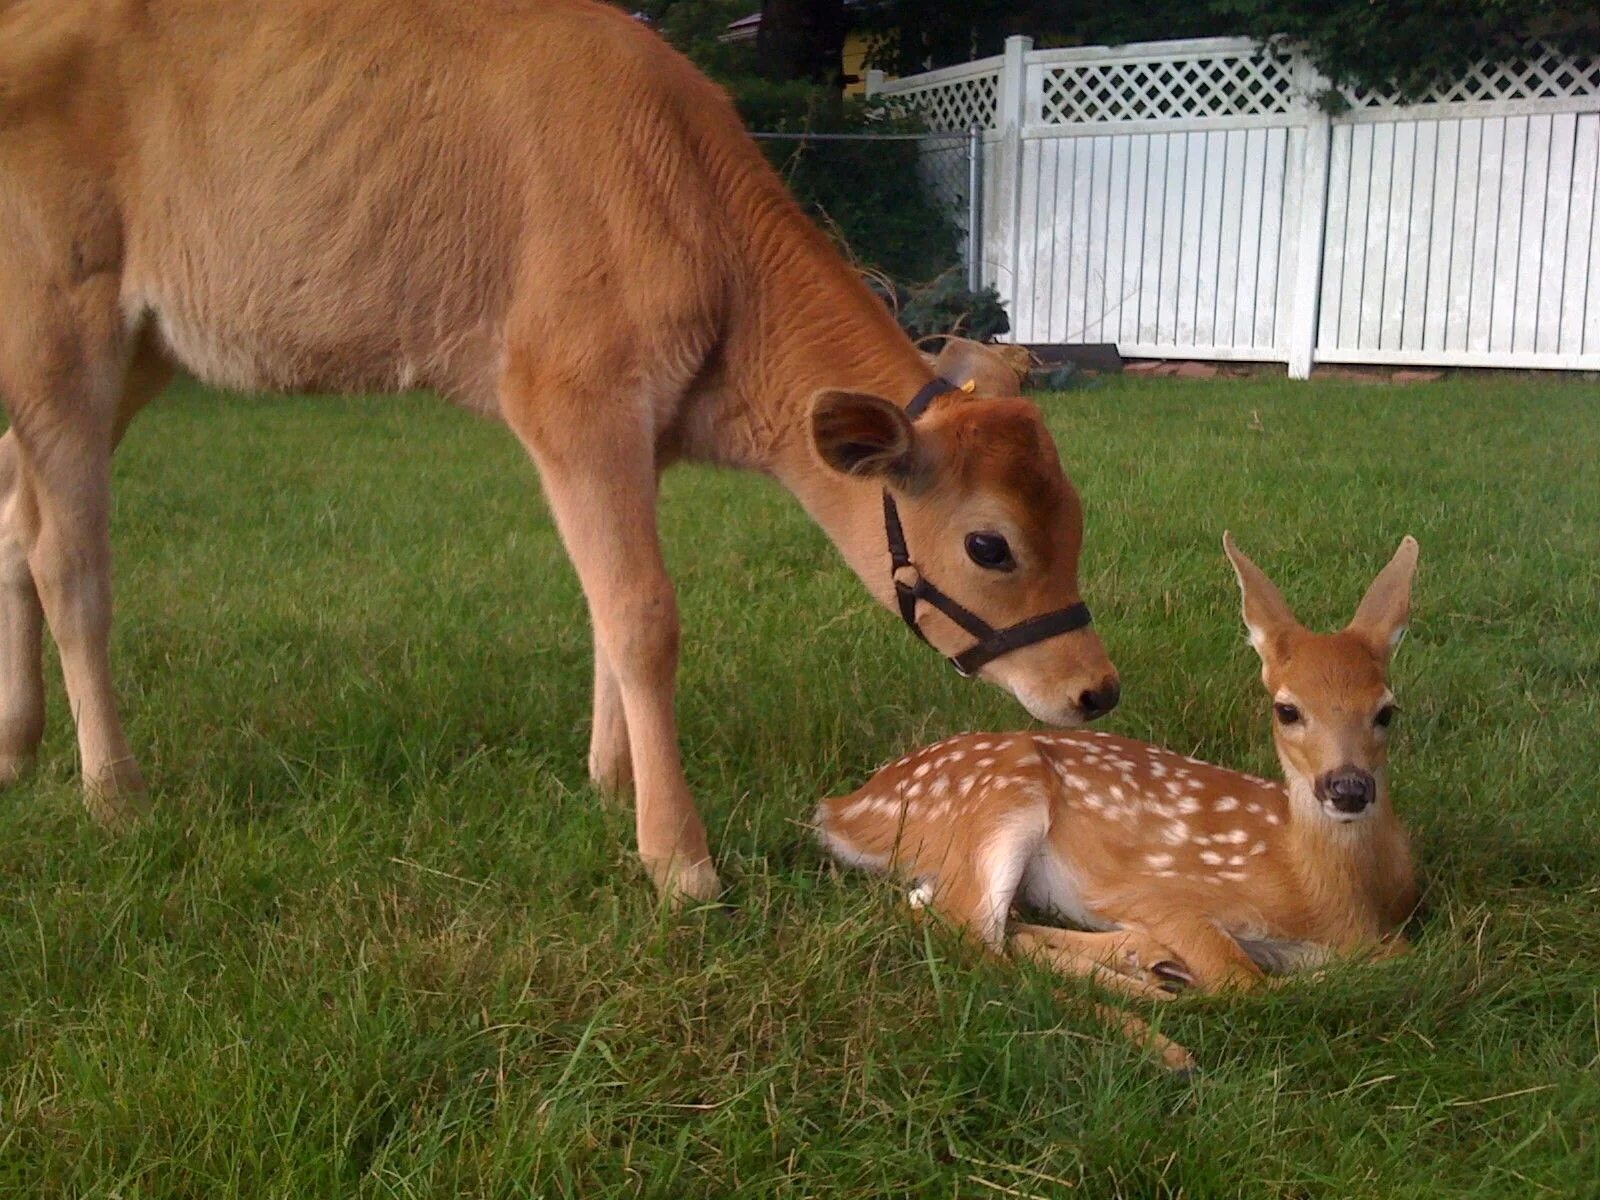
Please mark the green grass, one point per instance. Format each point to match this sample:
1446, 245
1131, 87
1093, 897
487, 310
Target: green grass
381, 939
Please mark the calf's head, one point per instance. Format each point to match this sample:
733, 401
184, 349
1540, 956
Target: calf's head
991, 520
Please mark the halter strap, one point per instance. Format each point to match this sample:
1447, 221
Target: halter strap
927, 393
989, 643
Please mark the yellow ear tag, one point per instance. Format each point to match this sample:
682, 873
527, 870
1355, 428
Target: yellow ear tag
970, 386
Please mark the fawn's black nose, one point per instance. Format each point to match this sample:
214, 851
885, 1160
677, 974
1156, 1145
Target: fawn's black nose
1097, 702
1348, 789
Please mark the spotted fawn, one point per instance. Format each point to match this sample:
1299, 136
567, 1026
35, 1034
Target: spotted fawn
1176, 872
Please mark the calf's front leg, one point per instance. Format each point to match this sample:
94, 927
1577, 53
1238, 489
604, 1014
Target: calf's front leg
599, 476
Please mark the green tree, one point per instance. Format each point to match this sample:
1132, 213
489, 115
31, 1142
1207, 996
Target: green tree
913, 35
1392, 45
1406, 46
802, 39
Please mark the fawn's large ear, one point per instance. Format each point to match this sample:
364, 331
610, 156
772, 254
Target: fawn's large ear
1384, 610
858, 434
975, 367
1267, 616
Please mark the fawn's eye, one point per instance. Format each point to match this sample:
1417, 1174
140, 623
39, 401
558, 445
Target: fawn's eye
1287, 714
990, 551
1384, 717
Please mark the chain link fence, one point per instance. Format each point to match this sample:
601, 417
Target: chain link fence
901, 203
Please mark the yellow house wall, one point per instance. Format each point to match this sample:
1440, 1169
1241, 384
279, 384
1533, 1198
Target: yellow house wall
854, 62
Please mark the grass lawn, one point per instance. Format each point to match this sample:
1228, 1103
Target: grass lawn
382, 939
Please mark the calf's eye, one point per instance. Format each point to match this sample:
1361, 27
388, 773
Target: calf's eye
1287, 714
990, 551
1385, 716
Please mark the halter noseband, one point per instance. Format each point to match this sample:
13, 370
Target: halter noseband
990, 642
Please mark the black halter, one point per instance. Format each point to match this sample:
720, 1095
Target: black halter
991, 643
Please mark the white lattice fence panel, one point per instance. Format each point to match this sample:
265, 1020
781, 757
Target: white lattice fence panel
953, 104
1473, 241
1217, 84
1166, 243
1545, 74
1192, 199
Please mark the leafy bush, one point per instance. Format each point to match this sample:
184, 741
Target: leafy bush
947, 306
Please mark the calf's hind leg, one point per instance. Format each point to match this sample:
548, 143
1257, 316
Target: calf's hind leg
21, 627
71, 386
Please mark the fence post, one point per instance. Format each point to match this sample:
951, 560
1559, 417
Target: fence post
1011, 114
974, 207
874, 81
1311, 194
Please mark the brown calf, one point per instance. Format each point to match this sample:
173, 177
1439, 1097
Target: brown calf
540, 211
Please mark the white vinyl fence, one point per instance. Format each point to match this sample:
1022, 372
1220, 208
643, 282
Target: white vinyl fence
1191, 199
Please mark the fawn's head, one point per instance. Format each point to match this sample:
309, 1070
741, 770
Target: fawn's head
1331, 703
990, 519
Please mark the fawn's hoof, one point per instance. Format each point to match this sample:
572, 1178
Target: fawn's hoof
1169, 971
681, 884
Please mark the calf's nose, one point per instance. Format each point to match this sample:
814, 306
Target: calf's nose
1097, 702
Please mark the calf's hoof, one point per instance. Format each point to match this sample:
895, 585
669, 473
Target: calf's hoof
613, 779
681, 883
115, 796
13, 767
